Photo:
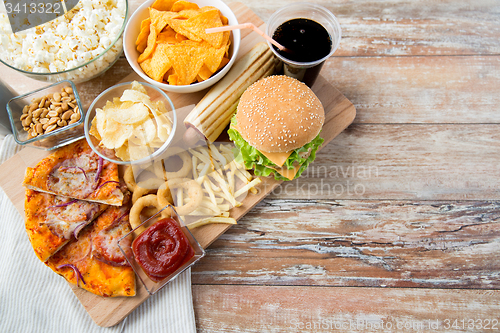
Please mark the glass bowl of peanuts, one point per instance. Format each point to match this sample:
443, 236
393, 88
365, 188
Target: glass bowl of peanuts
47, 118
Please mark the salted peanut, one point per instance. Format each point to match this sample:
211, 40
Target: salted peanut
44, 113
66, 115
53, 114
71, 105
33, 107
39, 128
45, 126
37, 113
64, 106
24, 116
26, 109
64, 94
57, 97
53, 120
72, 121
44, 120
75, 116
42, 102
59, 110
68, 90
51, 128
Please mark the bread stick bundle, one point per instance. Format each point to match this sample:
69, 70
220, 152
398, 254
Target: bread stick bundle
213, 113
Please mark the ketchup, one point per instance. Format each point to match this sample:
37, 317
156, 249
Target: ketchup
161, 249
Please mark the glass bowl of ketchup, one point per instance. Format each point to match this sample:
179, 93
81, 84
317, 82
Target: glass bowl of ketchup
162, 248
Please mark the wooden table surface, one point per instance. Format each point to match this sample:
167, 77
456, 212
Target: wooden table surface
396, 225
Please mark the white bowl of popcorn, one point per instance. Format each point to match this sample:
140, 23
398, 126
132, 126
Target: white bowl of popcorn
79, 45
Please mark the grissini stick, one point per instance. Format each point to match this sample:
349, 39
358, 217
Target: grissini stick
213, 113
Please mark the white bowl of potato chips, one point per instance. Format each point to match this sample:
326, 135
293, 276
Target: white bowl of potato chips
166, 45
130, 123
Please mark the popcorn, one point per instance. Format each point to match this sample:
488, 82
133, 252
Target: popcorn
69, 41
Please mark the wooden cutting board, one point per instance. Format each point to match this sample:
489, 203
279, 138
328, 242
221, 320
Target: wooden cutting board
340, 113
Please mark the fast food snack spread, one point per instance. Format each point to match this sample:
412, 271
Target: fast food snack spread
277, 126
213, 113
174, 46
52, 221
161, 249
75, 171
132, 125
94, 261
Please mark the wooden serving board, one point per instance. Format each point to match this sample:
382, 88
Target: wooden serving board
339, 112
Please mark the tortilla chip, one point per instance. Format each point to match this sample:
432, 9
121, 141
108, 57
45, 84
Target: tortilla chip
187, 58
198, 24
160, 19
167, 36
163, 5
160, 62
151, 44
182, 5
204, 73
178, 26
142, 39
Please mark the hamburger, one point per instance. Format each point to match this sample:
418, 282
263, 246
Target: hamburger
277, 127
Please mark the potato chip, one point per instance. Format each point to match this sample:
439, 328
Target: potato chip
135, 113
208, 19
144, 133
122, 153
132, 125
163, 5
151, 44
182, 5
115, 134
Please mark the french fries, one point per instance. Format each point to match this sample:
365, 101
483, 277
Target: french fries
213, 113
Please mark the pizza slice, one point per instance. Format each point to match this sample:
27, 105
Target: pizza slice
77, 172
93, 261
52, 221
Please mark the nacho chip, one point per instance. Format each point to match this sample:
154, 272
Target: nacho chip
160, 19
214, 57
151, 44
142, 39
178, 26
204, 73
160, 62
167, 36
163, 5
182, 5
198, 24
187, 58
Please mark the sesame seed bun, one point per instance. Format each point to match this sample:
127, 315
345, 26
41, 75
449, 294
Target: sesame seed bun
278, 114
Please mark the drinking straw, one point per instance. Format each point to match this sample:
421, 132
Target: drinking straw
246, 26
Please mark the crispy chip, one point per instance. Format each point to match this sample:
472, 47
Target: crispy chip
160, 19
204, 73
177, 50
167, 36
182, 5
178, 26
130, 114
151, 44
142, 39
115, 134
163, 5
144, 133
187, 58
208, 19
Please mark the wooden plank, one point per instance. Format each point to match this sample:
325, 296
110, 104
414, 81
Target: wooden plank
322, 309
419, 89
431, 162
435, 244
397, 27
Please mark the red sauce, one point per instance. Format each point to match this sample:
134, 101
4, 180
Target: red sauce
161, 249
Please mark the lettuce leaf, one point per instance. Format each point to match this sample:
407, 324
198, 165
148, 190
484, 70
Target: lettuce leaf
254, 159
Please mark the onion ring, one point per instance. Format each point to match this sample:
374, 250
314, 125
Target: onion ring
195, 193
128, 177
182, 172
148, 186
135, 211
